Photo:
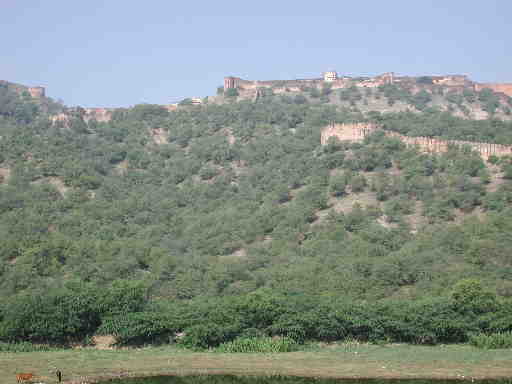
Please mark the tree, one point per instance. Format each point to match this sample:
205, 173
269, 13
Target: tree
338, 185
427, 80
469, 295
231, 92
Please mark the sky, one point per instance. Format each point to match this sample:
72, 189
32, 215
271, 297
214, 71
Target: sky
117, 53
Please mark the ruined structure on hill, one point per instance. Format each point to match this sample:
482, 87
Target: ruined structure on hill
248, 88
358, 131
37, 92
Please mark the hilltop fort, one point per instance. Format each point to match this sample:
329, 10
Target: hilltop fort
331, 79
252, 89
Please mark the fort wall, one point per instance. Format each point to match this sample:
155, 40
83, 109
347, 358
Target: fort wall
496, 87
99, 114
454, 83
357, 132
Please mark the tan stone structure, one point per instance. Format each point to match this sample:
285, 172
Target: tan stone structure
496, 87
99, 114
347, 132
358, 131
330, 76
36, 92
455, 83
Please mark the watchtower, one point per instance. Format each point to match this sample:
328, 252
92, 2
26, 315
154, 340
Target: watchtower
229, 82
36, 92
330, 76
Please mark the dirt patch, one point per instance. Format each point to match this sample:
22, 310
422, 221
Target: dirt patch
239, 168
496, 181
238, 254
346, 203
159, 136
104, 342
5, 174
56, 182
384, 221
242, 252
416, 220
121, 168
229, 134
460, 215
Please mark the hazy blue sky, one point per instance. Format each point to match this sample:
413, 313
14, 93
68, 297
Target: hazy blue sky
123, 52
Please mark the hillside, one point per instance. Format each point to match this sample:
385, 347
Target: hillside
229, 199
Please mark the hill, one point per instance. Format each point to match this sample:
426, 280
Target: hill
240, 201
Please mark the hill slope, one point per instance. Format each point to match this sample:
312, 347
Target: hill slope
241, 209
226, 199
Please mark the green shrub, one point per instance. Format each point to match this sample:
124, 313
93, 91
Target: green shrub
469, 295
492, 341
138, 328
260, 344
24, 346
57, 317
204, 336
231, 92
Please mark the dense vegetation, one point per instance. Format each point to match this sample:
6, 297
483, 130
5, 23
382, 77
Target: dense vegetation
227, 228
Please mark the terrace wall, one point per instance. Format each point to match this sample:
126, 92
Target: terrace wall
358, 131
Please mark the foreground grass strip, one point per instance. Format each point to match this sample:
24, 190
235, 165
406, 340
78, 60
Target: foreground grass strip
344, 361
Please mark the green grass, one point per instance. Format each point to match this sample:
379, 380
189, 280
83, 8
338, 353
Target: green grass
351, 360
24, 346
258, 344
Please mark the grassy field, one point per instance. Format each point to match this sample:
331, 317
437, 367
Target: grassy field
342, 361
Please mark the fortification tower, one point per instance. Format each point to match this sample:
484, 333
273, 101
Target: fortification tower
330, 76
388, 77
229, 82
36, 92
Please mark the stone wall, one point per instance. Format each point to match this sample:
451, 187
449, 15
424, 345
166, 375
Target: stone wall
350, 132
496, 87
453, 82
236, 82
99, 114
358, 131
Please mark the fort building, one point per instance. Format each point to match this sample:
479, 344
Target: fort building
36, 92
330, 76
453, 82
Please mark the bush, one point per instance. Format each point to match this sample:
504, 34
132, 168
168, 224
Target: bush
138, 328
231, 92
300, 99
492, 341
425, 80
260, 344
358, 183
204, 336
24, 346
469, 295
337, 186
56, 317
